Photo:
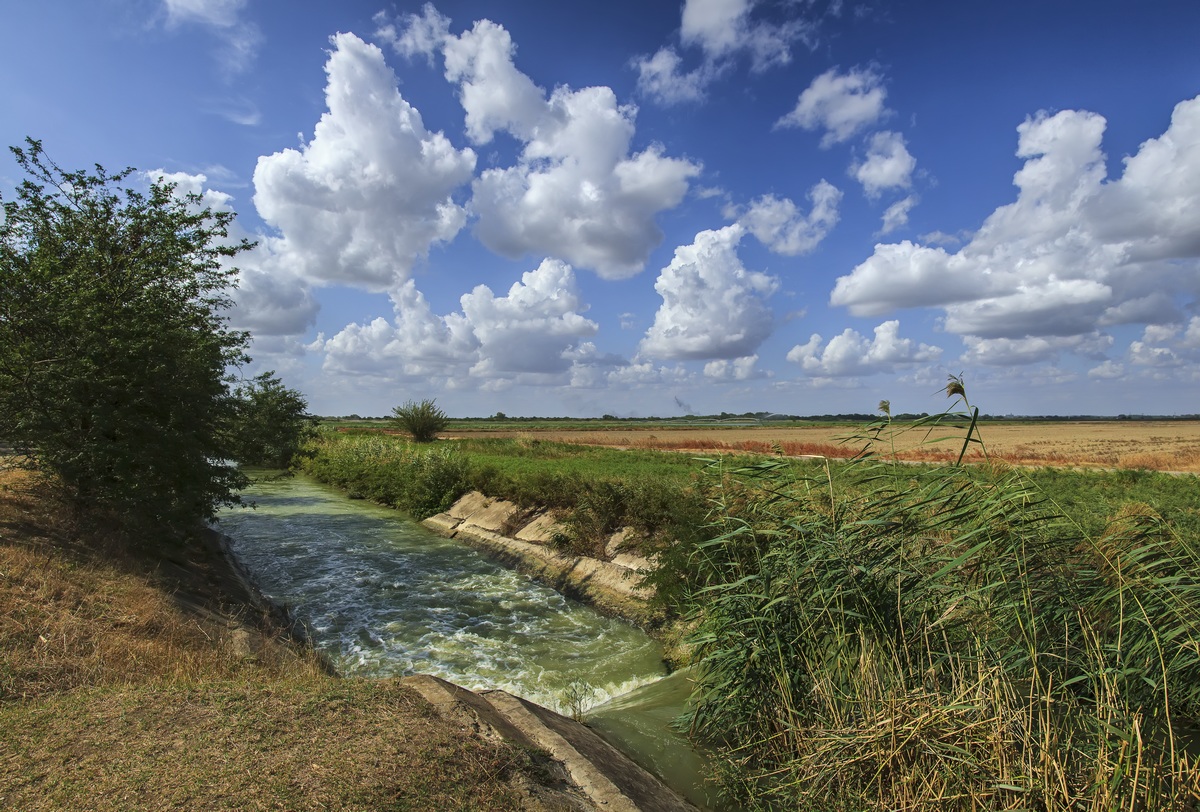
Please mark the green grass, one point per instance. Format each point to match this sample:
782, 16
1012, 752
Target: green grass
885, 636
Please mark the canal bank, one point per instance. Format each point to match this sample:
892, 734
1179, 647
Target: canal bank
382, 596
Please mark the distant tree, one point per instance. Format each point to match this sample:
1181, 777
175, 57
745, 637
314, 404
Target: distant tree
422, 420
499, 416
271, 422
114, 345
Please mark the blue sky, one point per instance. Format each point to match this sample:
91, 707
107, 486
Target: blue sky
654, 208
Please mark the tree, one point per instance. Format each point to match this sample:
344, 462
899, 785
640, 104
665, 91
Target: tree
272, 422
114, 345
422, 420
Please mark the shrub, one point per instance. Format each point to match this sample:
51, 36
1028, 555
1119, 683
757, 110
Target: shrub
422, 420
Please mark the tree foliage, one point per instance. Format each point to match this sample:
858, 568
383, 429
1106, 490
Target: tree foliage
422, 420
114, 345
272, 422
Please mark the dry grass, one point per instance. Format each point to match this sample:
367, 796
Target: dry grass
290, 745
1155, 445
141, 679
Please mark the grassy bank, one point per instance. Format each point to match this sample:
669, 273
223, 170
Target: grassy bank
597, 490
136, 675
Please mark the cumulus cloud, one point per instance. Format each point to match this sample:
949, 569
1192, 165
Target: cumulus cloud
533, 333
662, 77
420, 34
841, 104
1004, 352
736, 369
713, 308
577, 190
888, 165
896, 215
240, 39
1108, 371
269, 300
722, 30
366, 198
533, 327
779, 224
1167, 346
1073, 253
851, 354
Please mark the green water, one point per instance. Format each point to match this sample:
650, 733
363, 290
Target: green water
383, 596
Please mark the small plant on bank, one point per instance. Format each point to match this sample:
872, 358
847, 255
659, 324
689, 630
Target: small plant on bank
422, 420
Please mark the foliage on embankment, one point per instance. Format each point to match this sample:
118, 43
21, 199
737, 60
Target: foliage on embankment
598, 490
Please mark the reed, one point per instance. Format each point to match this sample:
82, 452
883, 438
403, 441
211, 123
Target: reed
875, 635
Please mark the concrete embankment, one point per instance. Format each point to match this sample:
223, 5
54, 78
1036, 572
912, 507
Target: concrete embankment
587, 772
526, 543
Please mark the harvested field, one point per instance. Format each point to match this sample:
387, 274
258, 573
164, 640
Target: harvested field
1167, 445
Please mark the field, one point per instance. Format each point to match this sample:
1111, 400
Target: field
1166, 445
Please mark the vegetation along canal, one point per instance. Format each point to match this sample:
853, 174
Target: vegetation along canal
383, 596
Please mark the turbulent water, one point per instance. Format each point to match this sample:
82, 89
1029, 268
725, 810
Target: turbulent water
384, 596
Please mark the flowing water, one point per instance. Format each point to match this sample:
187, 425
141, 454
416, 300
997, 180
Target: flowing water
383, 596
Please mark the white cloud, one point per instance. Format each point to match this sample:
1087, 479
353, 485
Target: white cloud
1109, 370
841, 104
1074, 252
779, 224
533, 327
896, 215
241, 39
1004, 352
532, 334
713, 308
851, 354
722, 30
269, 300
421, 34
1167, 345
660, 77
888, 165
576, 191
366, 198
736, 369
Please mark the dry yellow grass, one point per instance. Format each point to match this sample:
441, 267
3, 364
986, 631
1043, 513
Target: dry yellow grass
137, 678
1157, 445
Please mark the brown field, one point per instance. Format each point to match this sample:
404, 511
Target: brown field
1168, 445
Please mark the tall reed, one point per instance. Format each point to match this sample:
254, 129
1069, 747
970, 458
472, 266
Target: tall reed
876, 635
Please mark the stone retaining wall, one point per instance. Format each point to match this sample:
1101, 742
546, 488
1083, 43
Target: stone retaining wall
526, 542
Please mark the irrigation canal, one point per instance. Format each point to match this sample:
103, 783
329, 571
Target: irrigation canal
383, 596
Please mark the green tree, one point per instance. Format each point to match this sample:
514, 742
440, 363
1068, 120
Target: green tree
114, 345
272, 422
422, 420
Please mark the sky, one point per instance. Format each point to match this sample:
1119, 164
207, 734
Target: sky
646, 208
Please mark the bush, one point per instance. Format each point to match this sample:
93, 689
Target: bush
114, 343
422, 420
